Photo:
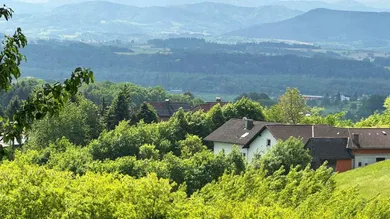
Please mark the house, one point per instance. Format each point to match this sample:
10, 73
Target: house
13, 143
343, 148
166, 109
208, 105
312, 97
244, 133
369, 145
345, 97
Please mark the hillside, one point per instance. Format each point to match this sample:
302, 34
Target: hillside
319, 25
370, 181
217, 69
348, 5
100, 20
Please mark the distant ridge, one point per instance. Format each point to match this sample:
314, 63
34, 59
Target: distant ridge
326, 25
107, 18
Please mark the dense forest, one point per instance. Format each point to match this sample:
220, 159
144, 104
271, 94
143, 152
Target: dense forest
226, 69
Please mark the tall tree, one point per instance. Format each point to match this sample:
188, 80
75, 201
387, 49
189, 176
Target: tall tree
244, 108
216, 117
14, 105
147, 113
292, 106
119, 109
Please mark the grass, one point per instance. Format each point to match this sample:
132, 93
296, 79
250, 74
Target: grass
370, 181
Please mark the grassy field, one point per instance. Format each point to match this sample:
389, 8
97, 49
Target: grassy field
371, 181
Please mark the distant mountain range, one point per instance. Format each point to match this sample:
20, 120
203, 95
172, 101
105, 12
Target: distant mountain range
348, 5
324, 25
302, 5
104, 19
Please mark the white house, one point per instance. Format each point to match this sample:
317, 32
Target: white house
247, 134
342, 148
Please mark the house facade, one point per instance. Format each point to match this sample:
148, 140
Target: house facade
342, 148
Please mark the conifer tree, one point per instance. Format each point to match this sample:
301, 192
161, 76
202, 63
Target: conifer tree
147, 113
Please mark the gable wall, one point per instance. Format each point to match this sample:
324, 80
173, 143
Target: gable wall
259, 145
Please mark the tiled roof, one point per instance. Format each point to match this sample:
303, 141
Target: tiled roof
283, 132
234, 132
167, 109
368, 138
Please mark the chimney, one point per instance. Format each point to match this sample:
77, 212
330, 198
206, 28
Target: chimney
355, 139
218, 99
248, 124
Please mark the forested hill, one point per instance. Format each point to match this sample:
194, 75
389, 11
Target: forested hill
97, 20
327, 25
195, 70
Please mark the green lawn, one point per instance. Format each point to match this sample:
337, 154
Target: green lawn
370, 181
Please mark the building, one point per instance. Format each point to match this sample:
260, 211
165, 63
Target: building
166, 109
208, 105
334, 151
343, 148
312, 97
244, 133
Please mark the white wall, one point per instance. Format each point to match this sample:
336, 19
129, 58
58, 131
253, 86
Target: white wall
368, 159
227, 148
259, 145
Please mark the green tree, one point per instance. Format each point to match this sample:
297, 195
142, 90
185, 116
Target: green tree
48, 101
148, 151
292, 106
244, 108
147, 113
119, 110
286, 154
325, 100
78, 122
14, 105
216, 117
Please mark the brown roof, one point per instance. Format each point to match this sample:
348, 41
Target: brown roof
207, 106
283, 132
370, 138
167, 109
234, 132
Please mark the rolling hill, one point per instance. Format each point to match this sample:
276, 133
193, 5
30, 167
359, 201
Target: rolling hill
324, 25
110, 20
370, 181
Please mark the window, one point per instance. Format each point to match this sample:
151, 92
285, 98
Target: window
379, 159
360, 164
268, 142
244, 154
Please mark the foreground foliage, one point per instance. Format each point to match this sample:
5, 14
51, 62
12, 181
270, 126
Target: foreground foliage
30, 191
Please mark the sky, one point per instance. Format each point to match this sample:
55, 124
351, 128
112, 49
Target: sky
371, 3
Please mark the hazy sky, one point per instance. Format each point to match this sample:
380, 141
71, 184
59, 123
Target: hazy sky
372, 3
